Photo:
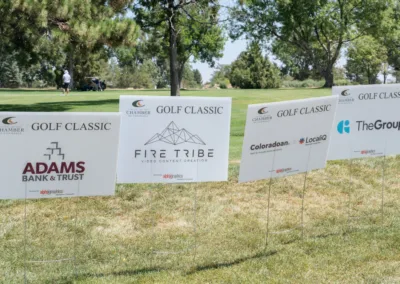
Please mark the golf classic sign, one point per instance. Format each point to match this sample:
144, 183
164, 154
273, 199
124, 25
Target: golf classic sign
286, 138
46, 155
172, 140
367, 122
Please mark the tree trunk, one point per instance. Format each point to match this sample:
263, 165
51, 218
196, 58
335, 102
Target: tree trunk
328, 76
71, 67
180, 74
173, 53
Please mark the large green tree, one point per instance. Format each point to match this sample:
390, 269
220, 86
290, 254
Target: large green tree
295, 62
317, 29
252, 70
365, 57
79, 27
389, 37
179, 30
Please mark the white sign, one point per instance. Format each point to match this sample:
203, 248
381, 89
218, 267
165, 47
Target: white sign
173, 139
367, 122
45, 155
286, 138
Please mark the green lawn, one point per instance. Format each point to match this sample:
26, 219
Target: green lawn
145, 234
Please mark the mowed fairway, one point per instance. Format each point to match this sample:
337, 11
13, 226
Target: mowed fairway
145, 233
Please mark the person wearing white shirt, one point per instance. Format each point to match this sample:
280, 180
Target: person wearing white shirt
66, 81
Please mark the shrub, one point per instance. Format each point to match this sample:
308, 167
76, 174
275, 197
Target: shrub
309, 83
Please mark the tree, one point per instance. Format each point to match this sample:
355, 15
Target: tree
191, 28
10, 74
197, 77
389, 37
365, 58
295, 62
79, 27
385, 69
317, 30
251, 70
339, 73
221, 75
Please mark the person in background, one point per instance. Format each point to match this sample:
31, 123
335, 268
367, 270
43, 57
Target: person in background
97, 82
66, 81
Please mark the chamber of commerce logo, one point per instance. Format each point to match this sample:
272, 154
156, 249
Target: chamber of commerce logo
263, 116
138, 109
8, 126
345, 97
302, 140
345, 93
344, 127
263, 110
55, 168
138, 103
173, 135
9, 121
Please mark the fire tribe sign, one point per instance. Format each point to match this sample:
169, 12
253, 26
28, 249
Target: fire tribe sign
169, 141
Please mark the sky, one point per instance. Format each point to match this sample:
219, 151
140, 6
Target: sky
231, 52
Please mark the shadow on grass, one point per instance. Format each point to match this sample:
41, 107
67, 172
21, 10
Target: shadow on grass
134, 272
83, 276
231, 263
121, 273
55, 106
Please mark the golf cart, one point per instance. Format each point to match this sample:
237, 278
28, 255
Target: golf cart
93, 84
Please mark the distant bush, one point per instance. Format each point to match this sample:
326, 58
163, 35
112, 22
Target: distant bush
309, 83
223, 85
303, 84
344, 82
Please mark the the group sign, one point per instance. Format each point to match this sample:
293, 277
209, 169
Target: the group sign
47, 155
286, 138
367, 122
171, 140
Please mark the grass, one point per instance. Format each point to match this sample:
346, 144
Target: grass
145, 234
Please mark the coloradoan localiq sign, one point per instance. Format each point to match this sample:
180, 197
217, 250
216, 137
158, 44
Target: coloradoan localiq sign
367, 122
286, 138
48, 155
170, 140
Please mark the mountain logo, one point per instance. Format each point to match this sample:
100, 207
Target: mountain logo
8, 121
138, 103
175, 136
345, 93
